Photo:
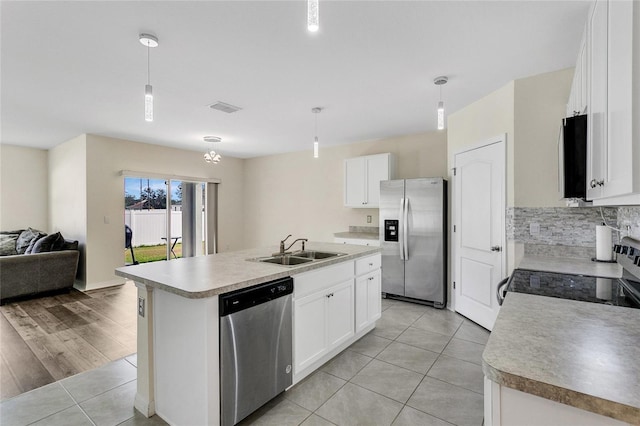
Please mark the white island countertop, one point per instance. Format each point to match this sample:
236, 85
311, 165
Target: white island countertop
206, 276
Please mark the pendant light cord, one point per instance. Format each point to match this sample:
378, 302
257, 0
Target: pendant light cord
316, 126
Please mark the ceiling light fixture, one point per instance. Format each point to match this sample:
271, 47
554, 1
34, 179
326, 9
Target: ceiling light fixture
211, 156
439, 81
313, 15
150, 41
316, 111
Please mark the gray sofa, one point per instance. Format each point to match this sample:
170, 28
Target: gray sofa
32, 274
38, 273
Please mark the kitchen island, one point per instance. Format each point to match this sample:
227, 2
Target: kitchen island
178, 320
557, 361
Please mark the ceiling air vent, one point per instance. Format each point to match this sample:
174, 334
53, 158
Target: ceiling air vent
221, 106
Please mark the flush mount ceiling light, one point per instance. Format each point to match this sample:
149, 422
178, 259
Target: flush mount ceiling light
150, 41
211, 156
313, 16
440, 81
316, 111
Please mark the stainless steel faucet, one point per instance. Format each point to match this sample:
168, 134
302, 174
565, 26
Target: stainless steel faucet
283, 250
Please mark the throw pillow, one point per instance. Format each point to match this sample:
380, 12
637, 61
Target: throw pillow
70, 245
25, 239
33, 242
58, 244
8, 244
45, 244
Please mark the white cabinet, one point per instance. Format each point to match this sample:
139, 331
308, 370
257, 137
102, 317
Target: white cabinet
326, 302
613, 153
368, 291
368, 299
323, 312
597, 119
362, 176
322, 320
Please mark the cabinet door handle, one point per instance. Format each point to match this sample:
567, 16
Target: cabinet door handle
371, 264
592, 184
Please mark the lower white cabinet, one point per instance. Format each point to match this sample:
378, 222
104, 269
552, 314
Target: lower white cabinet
322, 321
368, 299
332, 308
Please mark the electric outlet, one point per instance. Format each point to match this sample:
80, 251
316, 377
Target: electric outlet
534, 228
141, 307
368, 218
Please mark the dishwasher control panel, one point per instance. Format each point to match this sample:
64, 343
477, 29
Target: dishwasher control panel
252, 296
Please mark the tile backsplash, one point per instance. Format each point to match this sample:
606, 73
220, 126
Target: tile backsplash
567, 231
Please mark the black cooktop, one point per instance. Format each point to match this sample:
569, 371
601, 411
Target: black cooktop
609, 291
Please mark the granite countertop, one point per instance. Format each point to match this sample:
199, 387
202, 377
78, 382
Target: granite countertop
571, 266
206, 276
577, 353
357, 235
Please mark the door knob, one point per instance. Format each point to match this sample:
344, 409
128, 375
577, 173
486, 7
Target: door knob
496, 248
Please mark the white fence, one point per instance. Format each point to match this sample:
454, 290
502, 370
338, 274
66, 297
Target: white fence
149, 226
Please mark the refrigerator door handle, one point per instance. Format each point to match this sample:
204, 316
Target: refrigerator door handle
405, 221
401, 229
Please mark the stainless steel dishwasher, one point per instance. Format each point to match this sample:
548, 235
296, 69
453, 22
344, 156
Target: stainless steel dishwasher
255, 347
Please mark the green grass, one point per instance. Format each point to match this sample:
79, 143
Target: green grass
146, 254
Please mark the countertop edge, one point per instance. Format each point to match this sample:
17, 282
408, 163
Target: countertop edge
562, 395
247, 283
357, 235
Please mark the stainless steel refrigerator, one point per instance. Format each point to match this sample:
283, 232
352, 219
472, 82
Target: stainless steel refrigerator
413, 237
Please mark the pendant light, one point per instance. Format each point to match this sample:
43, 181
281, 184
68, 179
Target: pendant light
150, 41
439, 81
313, 17
316, 111
211, 156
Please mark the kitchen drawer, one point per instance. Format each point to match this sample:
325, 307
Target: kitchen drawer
368, 264
319, 279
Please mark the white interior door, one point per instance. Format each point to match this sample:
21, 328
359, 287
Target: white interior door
479, 237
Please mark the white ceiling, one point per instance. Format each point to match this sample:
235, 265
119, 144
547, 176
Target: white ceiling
76, 67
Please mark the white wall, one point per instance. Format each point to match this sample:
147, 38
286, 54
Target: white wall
23, 188
68, 195
529, 111
540, 105
297, 194
87, 196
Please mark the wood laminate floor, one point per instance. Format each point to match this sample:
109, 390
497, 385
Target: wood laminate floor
47, 339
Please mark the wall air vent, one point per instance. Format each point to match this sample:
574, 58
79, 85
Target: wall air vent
224, 107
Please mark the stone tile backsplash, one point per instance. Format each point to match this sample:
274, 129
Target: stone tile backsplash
629, 217
567, 232
567, 226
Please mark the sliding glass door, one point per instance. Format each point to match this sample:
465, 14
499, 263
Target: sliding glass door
167, 219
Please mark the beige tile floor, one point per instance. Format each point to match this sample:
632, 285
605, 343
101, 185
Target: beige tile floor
419, 366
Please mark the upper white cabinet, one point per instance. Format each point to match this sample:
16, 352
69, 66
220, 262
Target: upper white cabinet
578, 101
597, 118
613, 151
362, 176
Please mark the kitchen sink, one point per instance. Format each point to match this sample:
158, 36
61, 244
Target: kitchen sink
286, 260
316, 255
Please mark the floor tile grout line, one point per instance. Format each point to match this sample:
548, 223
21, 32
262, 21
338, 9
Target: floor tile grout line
77, 404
